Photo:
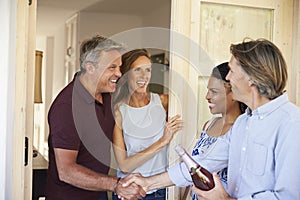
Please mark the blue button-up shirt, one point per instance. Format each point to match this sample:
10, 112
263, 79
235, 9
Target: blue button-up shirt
264, 159
263, 154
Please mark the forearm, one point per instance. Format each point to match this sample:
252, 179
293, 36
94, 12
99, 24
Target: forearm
180, 175
129, 163
149, 183
159, 181
87, 179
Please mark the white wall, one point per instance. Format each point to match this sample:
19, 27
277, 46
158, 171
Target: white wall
39, 109
159, 17
58, 78
48, 88
105, 24
7, 79
53, 80
88, 25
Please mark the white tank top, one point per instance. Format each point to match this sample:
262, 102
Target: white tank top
142, 127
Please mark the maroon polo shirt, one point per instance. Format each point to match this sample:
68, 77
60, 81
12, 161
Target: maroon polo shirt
78, 122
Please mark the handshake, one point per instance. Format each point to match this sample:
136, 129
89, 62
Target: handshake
131, 187
135, 185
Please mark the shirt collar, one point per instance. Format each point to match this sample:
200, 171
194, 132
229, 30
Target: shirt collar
81, 90
269, 107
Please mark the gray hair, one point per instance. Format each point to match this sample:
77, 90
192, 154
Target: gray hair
91, 49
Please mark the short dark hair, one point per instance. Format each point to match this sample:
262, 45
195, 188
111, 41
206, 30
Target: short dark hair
221, 71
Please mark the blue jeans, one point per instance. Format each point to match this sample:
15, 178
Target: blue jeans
158, 195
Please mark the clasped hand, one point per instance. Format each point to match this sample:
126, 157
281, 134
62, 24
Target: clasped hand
132, 187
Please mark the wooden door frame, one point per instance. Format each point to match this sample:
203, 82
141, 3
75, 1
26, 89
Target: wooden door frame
19, 61
294, 76
24, 90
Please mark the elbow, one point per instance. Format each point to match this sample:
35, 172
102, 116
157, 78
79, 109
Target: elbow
124, 169
63, 174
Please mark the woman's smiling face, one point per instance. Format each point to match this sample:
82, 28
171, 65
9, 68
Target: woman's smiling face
139, 74
217, 95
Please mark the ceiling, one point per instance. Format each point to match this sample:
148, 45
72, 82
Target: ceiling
51, 13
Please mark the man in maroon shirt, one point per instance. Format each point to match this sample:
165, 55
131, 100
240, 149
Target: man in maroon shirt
81, 126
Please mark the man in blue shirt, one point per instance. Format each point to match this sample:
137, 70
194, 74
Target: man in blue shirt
264, 143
